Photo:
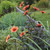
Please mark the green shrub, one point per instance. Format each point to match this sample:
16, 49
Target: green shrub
14, 19
2, 25
16, 1
8, 0
7, 6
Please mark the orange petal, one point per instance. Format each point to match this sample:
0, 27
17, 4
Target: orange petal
20, 35
6, 41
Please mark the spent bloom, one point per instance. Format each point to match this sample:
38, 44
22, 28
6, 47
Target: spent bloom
14, 29
22, 33
7, 38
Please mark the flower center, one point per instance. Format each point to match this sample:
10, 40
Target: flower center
14, 29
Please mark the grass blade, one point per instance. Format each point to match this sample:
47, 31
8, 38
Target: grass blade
30, 46
34, 43
42, 40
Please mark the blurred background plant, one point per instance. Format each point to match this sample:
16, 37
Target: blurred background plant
16, 1
7, 7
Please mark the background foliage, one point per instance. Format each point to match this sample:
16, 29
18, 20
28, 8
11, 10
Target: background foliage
6, 6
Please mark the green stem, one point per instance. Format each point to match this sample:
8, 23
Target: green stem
47, 26
15, 45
